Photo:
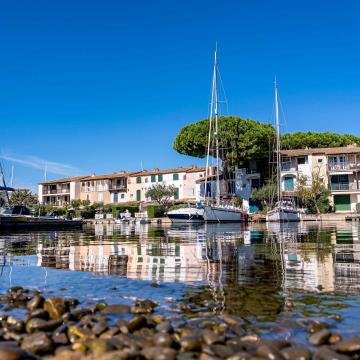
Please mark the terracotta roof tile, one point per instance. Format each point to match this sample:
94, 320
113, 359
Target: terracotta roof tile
322, 151
63, 180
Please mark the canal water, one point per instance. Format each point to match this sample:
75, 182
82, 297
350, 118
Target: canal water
276, 277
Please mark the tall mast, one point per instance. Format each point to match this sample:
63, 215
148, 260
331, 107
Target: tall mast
216, 130
278, 155
4, 183
207, 172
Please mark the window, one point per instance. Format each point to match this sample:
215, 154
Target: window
175, 176
302, 160
320, 161
288, 183
122, 196
160, 177
153, 178
176, 196
138, 179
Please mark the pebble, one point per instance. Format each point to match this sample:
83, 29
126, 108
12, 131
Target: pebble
296, 353
348, 345
320, 337
14, 353
38, 343
159, 353
55, 307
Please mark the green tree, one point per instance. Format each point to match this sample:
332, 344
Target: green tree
240, 140
301, 140
243, 140
161, 193
264, 194
23, 197
315, 197
75, 204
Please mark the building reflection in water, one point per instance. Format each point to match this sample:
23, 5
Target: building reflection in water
305, 256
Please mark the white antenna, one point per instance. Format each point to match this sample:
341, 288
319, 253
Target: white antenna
45, 172
141, 165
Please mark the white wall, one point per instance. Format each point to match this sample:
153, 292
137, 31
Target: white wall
40, 193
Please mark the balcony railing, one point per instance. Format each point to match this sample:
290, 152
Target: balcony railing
117, 187
343, 186
56, 191
344, 166
288, 167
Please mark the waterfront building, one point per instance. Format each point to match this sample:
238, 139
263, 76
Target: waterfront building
59, 192
120, 187
182, 178
106, 188
337, 168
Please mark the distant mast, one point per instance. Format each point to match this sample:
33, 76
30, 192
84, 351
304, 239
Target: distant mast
214, 109
278, 155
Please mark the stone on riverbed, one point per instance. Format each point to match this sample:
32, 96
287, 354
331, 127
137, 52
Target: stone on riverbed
320, 337
35, 303
296, 353
36, 324
14, 353
38, 344
55, 307
116, 309
159, 353
348, 345
143, 307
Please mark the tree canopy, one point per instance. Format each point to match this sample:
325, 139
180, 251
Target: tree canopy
161, 193
239, 139
23, 197
300, 140
246, 139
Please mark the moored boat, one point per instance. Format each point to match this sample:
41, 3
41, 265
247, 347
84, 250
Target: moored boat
226, 213
284, 210
20, 217
218, 211
189, 214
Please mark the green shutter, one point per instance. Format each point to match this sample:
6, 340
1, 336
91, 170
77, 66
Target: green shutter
153, 178
160, 177
342, 202
175, 176
138, 180
138, 195
176, 196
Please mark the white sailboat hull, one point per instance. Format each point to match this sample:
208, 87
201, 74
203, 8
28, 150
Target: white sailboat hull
224, 214
283, 215
186, 215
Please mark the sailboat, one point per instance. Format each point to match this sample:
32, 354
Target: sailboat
218, 212
283, 210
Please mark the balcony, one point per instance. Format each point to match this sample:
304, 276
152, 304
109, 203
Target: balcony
344, 167
288, 167
343, 187
117, 187
55, 191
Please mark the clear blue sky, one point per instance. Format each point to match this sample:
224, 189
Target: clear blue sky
100, 86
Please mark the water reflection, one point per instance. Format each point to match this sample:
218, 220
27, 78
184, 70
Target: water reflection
308, 256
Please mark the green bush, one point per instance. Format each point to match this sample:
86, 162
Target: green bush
87, 214
155, 211
358, 208
117, 209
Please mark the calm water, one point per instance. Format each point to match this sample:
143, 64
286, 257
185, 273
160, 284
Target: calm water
273, 276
